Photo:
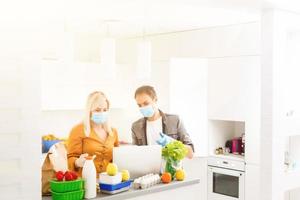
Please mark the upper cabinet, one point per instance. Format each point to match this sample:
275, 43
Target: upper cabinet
289, 76
233, 87
65, 86
188, 98
234, 95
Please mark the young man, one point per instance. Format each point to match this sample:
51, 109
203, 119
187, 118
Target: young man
146, 131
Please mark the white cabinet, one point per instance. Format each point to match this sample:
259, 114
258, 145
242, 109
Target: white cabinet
188, 98
252, 182
65, 86
294, 194
252, 138
289, 78
233, 87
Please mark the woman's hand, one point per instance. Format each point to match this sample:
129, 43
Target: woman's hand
81, 160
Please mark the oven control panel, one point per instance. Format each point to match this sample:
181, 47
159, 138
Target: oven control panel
226, 163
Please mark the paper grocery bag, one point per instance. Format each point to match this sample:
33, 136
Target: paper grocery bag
47, 174
58, 157
56, 160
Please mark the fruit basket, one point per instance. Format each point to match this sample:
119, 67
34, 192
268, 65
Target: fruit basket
66, 186
75, 195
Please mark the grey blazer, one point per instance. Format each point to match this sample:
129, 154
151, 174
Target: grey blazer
171, 125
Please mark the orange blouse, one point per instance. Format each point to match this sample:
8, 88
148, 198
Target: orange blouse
79, 144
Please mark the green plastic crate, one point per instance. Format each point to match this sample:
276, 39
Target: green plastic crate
75, 195
66, 186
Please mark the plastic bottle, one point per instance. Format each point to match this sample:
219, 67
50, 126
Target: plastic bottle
89, 177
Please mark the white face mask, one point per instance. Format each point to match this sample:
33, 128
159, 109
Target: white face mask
99, 117
147, 111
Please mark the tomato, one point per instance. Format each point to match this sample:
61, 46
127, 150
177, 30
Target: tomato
59, 176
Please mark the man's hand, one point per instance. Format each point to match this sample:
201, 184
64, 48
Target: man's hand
190, 153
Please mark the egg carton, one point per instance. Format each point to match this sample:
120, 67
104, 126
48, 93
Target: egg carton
146, 181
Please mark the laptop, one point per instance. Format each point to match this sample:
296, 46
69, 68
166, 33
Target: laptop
138, 160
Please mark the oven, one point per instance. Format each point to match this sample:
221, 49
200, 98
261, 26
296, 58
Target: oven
226, 179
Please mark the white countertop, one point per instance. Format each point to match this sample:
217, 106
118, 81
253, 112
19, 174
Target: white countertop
131, 193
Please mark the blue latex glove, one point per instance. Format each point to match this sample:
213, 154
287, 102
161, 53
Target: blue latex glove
164, 140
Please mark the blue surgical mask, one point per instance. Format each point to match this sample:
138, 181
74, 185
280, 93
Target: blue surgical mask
99, 117
147, 111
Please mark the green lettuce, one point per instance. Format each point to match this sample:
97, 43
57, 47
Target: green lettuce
174, 151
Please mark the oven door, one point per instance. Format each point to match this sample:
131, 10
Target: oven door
225, 184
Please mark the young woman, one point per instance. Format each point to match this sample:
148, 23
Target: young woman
94, 136
146, 131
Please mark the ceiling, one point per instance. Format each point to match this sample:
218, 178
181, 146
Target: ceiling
130, 18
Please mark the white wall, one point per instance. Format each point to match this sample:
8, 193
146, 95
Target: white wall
213, 43
235, 45
279, 110
60, 122
19, 126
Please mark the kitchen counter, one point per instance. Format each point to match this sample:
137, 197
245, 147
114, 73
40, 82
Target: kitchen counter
159, 189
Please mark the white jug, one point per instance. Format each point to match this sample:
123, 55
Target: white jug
89, 177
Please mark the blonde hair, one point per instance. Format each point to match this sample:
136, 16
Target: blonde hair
92, 102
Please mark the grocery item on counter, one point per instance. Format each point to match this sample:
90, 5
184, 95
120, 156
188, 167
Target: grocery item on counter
66, 186
112, 181
107, 179
74, 195
67, 176
180, 175
49, 137
227, 150
173, 154
116, 191
219, 150
166, 177
89, 177
125, 175
60, 176
112, 169
48, 141
146, 181
115, 188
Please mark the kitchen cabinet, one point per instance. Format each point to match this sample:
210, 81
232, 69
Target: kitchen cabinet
234, 95
252, 139
294, 194
65, 86
188, 98
289, 80
233, 87
252, 182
